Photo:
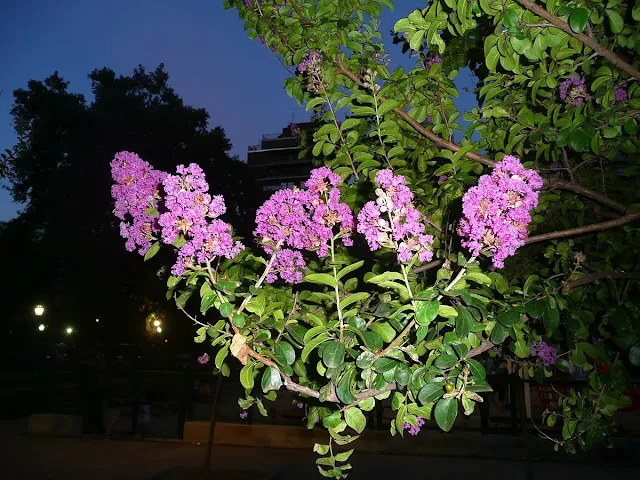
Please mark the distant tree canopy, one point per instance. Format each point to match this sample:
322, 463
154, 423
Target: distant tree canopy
65, 248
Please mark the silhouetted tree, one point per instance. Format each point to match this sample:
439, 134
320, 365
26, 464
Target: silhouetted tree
65, 247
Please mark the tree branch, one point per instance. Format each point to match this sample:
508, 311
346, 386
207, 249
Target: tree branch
440, 142
427, 266
585, 192
594, 277
586, 40
596, 227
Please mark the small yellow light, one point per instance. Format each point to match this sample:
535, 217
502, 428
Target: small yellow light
38, 310
97, 320
156, 323
41, 327
69, 330
166, 341
159, 329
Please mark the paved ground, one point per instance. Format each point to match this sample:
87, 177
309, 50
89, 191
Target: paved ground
46, 458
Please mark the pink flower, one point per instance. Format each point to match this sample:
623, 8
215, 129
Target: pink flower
496, 211
137, 188
304, 220
300, 405
574, 91
393, 222
203, 359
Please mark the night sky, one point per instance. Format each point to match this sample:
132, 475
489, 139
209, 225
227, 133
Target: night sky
210, 60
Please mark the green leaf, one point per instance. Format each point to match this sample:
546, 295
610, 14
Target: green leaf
426, 312
478, 277
226, 309
446, 361
497, 334
152, 251
384, 364
313, 343
354, 297
492, 59
207, 301
349, 268
367, 404
578, 20
615, 21
510, 318
333, 420
333, 354
355, 419
344, 456
416, 39
386, 331
321, 279
522, 349
238, 320
344, 387
431, 392
321, 449
477, 370
579, 140
447, 312
387, 106
551, 315
510, 18
464, 322
446, 412
221, 355
285, 354
271, 379
634, 355
246, 376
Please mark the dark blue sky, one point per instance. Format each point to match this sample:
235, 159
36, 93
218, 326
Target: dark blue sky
210, 60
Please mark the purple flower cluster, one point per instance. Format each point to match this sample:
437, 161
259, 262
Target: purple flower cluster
414, 430
392, 221
496, 211
312, 66
295, 131
289, 264
620, 95
547, 353
137, 187
442, 178
574, 91
314, 58
300, 405
193, 213
432, 61
303, 220
244, 414
203, 359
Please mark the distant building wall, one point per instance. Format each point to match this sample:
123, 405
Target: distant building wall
274, 161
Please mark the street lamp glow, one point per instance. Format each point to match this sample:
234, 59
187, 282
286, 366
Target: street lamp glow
156, 323
69, 330
41, 327
97, 320
38, 310
159, 329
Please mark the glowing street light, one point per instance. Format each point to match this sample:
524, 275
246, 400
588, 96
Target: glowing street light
159, 329
41, 327
156, 323
97, 320
38, 310
69, 330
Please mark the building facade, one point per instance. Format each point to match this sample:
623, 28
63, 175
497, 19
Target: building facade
274, 162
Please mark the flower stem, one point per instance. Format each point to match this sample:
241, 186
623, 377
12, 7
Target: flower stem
337, 290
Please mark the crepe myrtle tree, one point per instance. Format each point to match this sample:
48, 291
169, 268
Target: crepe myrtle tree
449, 260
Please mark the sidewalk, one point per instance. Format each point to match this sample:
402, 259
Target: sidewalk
48, 458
